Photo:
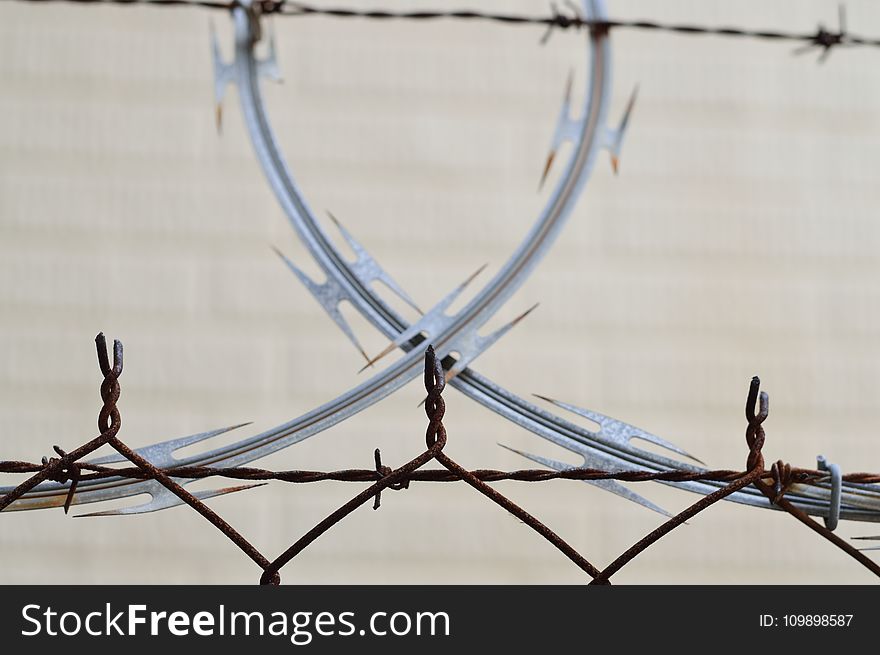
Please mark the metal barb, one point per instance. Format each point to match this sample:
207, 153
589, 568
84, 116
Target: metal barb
566, 129
368, 268
826, 39
431, 323
329, 295
615, 136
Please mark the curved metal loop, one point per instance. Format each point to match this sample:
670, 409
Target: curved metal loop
103, 358
836, 481
454, 332
862, 501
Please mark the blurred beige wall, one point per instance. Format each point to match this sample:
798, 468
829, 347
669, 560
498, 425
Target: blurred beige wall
741, 237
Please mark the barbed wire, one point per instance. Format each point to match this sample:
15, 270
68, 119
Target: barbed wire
773, 483
795, 475
822, 38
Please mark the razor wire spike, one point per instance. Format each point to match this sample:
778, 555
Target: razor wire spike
368, 269
224, 75
432, 322
471, 345
268, 67
614, 136
612, 429
869, 538
591, 461
161, 454
567, 129
329, 295
161, 498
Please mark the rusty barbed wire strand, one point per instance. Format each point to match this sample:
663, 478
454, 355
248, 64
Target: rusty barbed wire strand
798, 475
821, 38
773, 483
804, 476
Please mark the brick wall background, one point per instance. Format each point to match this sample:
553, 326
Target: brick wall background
741, 237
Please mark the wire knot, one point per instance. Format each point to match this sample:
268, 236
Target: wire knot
826, 39
782, 480
59, 471
562, 20
383, 471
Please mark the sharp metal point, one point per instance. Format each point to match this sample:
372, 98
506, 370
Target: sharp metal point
268, 67
523, 453
619, 431
524, 314
547, 399
170, 500
160, 454
328, 300
366, 261
563, 117
222, 77
477, 345
237, 426
617, 135
629, 108
372, 360
613, 486
547, 165
443, 304
473, 276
